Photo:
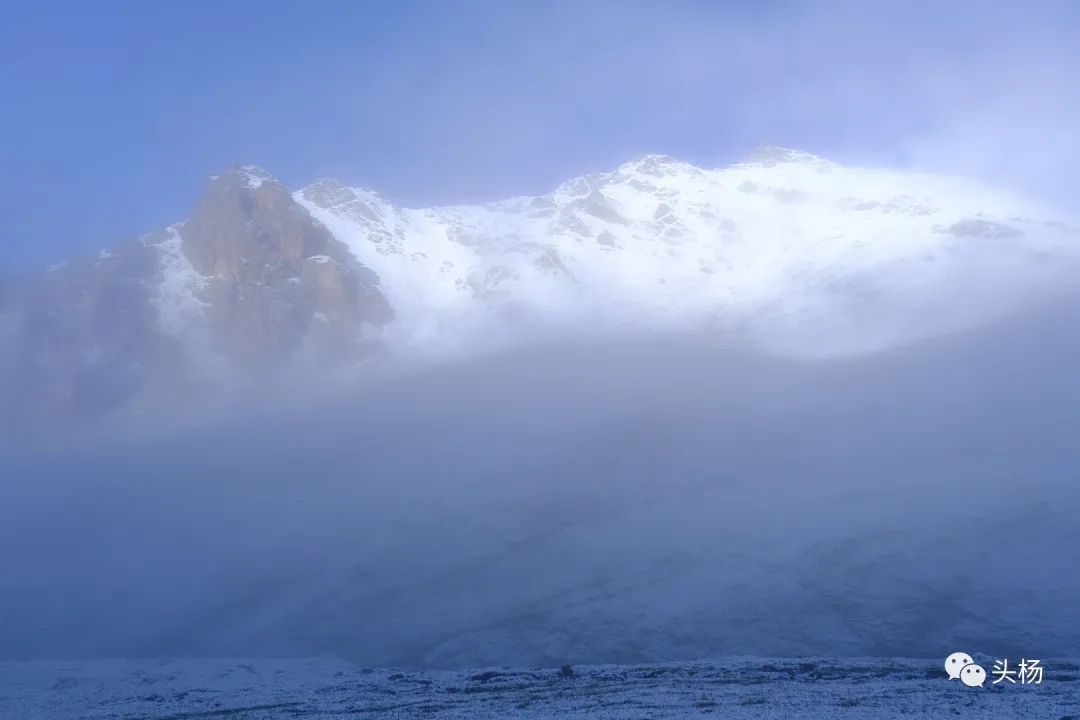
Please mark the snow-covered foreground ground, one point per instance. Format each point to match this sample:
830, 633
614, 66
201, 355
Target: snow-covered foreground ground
330, 688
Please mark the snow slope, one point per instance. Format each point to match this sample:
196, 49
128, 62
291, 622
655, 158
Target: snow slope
789, 249
179, 293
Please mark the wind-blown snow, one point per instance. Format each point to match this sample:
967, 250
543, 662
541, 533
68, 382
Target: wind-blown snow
178, 298
790, 249
254, 176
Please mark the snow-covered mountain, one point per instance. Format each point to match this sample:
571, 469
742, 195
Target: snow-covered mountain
623, 502
787, 251
799, 253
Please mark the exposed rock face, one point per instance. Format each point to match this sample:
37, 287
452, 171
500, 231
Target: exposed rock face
278, 279
254, 276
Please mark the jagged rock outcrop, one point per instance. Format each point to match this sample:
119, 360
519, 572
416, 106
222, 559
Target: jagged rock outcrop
277, 279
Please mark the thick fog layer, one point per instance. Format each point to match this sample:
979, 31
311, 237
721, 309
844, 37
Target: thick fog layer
606, 501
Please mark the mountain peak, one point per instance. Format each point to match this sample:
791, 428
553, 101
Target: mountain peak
254, 176
654, 164
328, 192
246, 177
770, 155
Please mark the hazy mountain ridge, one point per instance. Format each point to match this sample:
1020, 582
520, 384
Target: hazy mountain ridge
249, 281
786, 250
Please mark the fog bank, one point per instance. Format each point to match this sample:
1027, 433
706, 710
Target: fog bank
653, 498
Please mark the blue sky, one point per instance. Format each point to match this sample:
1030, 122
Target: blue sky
114, 113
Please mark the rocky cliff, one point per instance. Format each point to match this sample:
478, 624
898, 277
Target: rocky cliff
276, 279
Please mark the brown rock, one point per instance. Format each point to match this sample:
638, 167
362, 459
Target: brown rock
280, 280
